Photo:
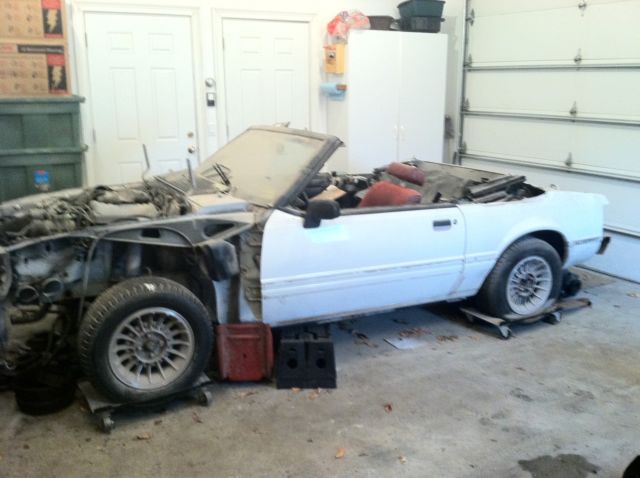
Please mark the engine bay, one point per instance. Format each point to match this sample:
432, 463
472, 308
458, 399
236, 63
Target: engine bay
96, 206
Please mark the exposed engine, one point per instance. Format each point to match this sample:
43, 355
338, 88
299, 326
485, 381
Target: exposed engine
63, 267
96, 206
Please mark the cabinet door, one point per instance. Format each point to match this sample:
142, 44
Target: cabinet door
374, 82
422, 85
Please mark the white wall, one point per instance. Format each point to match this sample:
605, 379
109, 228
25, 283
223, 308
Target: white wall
208, 52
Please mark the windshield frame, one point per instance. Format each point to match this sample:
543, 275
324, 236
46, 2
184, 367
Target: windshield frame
329, 145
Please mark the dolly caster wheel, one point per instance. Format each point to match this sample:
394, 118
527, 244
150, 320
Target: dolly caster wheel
106, 423
505, 332
553, 318
204, 398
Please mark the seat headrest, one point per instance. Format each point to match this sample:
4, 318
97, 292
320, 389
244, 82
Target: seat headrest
407, 173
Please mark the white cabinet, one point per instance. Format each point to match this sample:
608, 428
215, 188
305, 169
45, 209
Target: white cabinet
395, 98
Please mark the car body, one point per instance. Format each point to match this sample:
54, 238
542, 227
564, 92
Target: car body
241, 234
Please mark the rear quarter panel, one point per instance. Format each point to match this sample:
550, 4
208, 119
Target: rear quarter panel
491, 228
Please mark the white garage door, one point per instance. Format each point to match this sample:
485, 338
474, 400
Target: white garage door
551, 92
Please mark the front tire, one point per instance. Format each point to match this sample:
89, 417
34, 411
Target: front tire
524, 282
145, 338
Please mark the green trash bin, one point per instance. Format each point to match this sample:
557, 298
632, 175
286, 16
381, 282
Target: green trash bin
41, 146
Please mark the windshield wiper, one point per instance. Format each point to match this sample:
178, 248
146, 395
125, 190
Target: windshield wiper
221, 171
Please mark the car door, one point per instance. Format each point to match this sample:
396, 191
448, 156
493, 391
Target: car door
364, 260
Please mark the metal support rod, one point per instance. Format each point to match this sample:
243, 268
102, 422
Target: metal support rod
571, 66
542, 117
463, 73
622, 231
578, 170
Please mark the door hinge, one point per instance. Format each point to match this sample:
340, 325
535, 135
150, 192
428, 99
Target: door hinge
578, 58
569, 161
468, 61
86, 40
466, 105
574, 109
472, 17
582, 6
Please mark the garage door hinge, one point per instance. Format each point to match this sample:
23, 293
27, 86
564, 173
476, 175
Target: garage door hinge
469, 60
463, 148
578, 58
582, 6
472, 17
569, 161
574, 109
466, 105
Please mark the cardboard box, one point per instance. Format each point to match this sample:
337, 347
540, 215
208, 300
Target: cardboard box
32, 19
334, 58
29, 68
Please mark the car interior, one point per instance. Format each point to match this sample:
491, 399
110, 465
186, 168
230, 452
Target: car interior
414, 183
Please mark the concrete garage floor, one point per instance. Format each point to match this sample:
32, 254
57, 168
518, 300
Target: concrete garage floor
559, 401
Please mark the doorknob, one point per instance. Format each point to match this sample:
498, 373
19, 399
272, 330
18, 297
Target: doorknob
192, 149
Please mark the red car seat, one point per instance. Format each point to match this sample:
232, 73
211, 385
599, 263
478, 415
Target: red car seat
408, 173
385, 193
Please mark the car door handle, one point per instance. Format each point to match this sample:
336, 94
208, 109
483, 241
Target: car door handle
442, 223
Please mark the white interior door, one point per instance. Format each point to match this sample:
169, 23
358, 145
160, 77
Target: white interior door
142, 92
266, 67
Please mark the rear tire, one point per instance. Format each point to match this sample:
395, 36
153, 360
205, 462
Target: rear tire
524, 282
145, 338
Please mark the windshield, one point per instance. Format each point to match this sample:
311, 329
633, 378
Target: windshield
261, 165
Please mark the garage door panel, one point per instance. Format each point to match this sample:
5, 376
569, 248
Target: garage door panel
619, 214
508, 38
501, 7
611, 32
602, 33
595, 148
596, 93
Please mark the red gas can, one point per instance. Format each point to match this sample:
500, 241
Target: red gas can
245, 352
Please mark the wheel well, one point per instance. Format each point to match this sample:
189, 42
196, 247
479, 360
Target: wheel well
182, 266
555, 240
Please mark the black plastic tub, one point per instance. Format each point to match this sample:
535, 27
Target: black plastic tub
421, 8
421, 24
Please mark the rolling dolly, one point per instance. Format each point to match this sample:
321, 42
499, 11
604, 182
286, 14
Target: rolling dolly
552, 315
103, 410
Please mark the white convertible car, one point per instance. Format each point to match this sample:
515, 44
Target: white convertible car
259, 233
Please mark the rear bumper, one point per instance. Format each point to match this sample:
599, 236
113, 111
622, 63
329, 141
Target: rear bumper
604, 244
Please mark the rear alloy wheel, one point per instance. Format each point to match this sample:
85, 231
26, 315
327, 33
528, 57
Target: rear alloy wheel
525, 281
144, 339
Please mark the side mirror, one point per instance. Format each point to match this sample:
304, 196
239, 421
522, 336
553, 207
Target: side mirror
319, 210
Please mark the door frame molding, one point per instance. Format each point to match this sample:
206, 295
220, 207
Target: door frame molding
218, 15
80, 61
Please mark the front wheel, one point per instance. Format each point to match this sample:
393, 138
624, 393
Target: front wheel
144, 339
524, 282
